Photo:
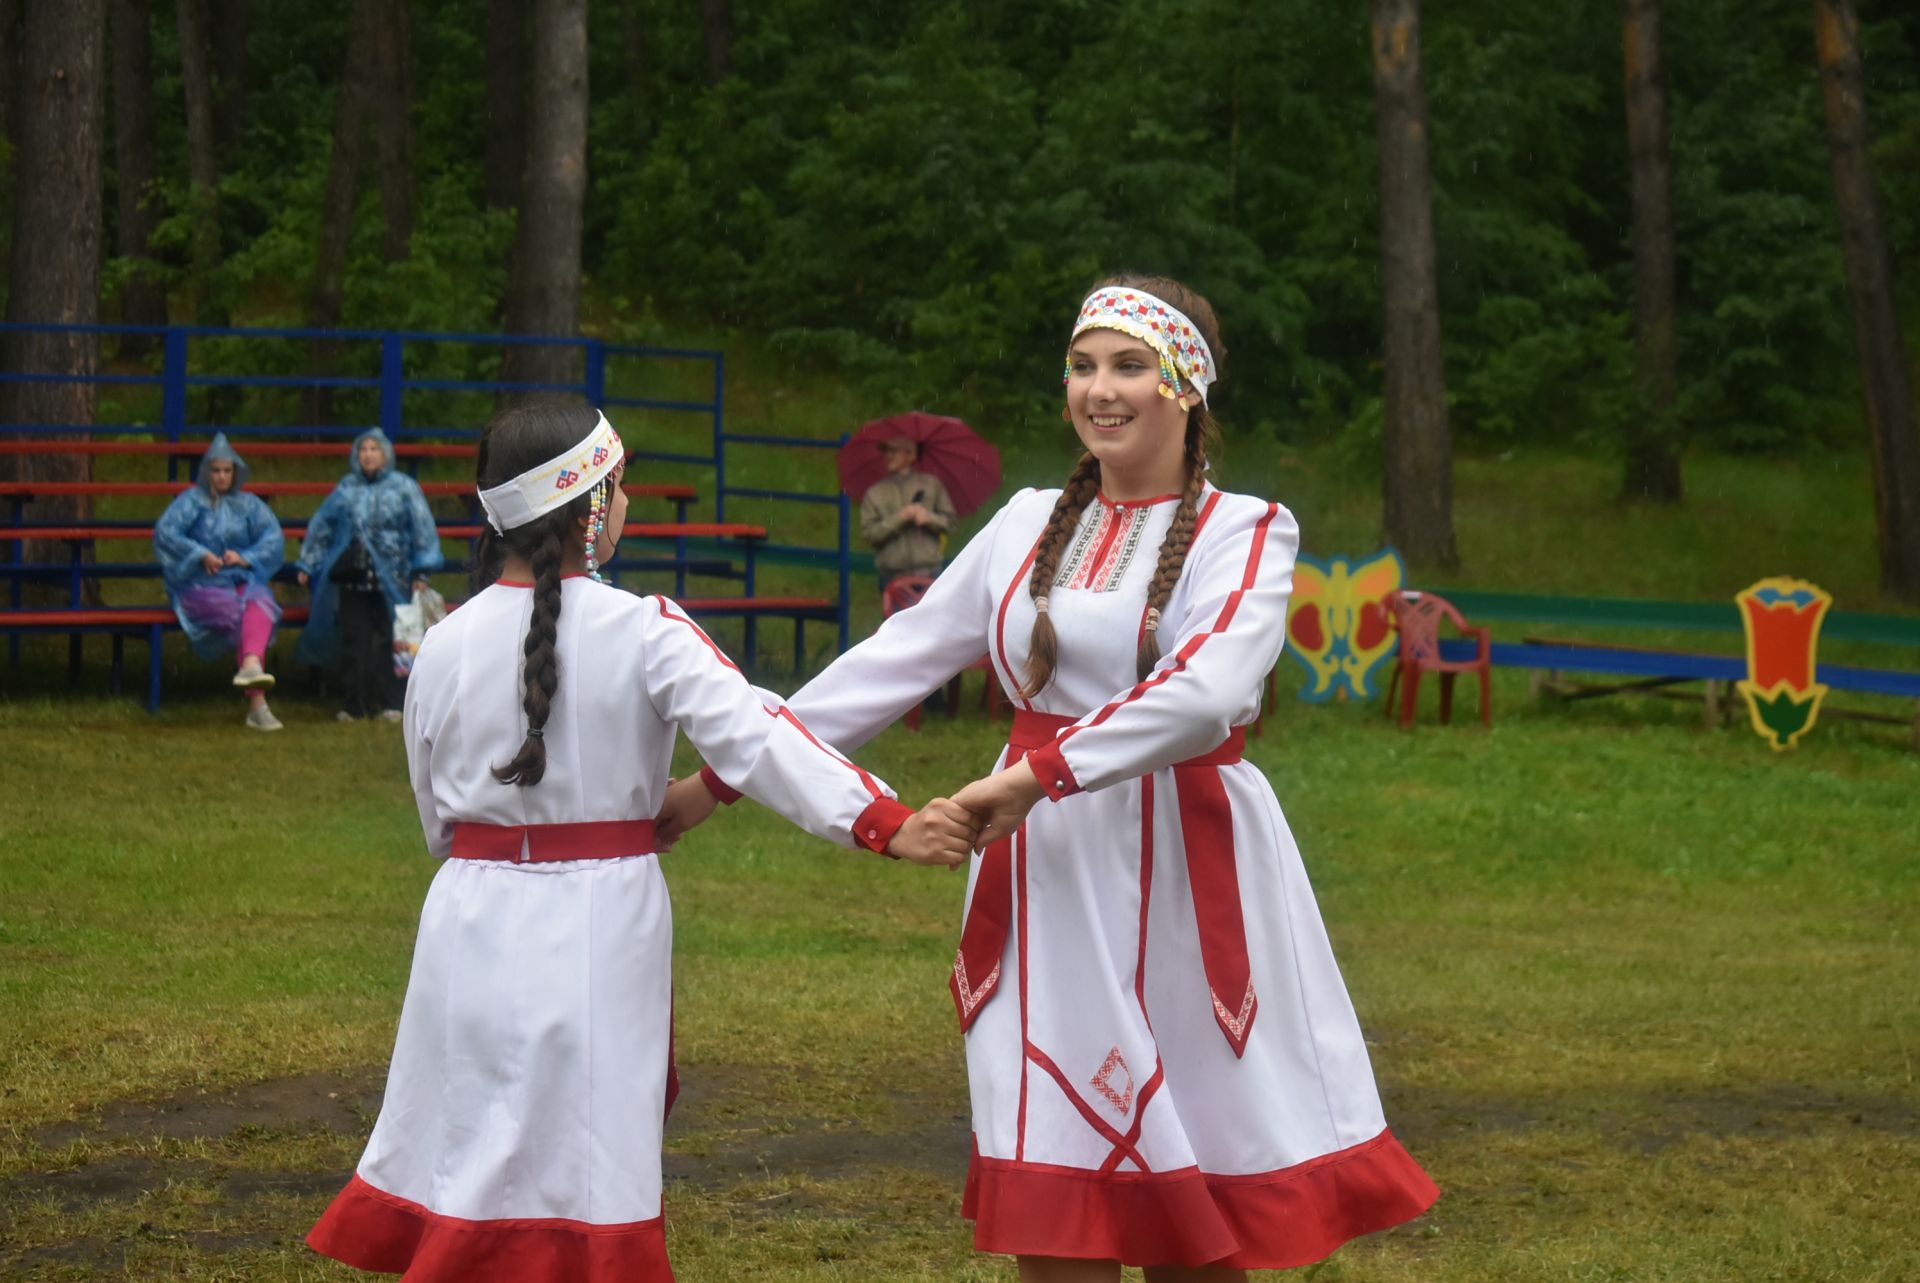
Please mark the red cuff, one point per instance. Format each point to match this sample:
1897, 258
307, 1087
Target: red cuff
1050, 768
719, 787
878, 823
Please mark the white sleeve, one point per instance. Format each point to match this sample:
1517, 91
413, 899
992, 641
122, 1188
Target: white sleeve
758, 747
416, 719
913, 652
1239, 576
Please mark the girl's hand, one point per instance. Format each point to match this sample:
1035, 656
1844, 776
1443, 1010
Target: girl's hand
940, 832
210, 562
303, 578
232, 558
687, 805
999, 803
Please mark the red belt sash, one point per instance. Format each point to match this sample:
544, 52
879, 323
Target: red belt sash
546, 843
1206, 825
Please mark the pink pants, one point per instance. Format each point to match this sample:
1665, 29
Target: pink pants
256, 631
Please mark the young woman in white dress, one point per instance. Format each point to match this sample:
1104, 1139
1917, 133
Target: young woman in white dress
1165, 1067
519, 1140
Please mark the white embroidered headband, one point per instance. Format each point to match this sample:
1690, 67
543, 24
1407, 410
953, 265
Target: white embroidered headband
1184, 353
539, 490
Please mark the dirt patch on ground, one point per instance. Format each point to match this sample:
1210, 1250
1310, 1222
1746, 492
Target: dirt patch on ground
306, 1103
714, 1143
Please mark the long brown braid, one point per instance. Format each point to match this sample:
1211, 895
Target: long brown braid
517, 439
1202, 442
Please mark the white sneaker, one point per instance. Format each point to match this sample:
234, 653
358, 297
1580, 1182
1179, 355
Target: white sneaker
253, 677
390, 715
261, 718
344, 716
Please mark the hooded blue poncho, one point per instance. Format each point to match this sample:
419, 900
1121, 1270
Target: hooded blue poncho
199, 522
390, 516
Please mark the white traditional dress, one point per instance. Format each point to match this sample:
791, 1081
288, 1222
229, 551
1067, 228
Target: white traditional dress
1164, 1063
519, 1140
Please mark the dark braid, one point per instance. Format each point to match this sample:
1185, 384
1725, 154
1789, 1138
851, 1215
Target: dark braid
517, 439
1043, 647
540, 667
1173, 549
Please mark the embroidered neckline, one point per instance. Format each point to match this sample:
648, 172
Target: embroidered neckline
1104, 548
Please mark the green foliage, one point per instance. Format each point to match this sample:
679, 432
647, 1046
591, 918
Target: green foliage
915, 194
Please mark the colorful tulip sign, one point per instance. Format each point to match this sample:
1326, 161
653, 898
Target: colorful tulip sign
1782, 618
1337, 627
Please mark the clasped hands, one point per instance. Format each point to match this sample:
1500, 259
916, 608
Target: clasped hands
943, 832
214, 562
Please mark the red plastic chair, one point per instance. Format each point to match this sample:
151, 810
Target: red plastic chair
1417, 616
907, 591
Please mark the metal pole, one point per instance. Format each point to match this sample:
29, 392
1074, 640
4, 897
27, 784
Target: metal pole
393, 383
596, 362
846, 567
173, 392
719, 437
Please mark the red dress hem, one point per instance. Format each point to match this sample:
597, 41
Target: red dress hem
370, 1229
1264, 1221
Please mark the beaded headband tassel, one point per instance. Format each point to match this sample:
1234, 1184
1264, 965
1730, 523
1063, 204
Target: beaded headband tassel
1184, 353
544, 487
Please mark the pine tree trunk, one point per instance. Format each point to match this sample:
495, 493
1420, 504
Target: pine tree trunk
1419, 446
54, 271
394, 86
352, 109
544, 295
229, 74
203, 172
11, 34
506, 160
1653, 453
1884, 373
143, 299
716, 24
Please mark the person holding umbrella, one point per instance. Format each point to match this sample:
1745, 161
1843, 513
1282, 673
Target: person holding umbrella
906, 515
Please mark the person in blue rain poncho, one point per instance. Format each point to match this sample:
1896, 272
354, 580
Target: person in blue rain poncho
369, 547
218, 548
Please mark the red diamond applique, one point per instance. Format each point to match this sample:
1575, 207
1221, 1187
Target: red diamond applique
566, 478
1111, 1070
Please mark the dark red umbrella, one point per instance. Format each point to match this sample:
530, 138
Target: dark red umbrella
964, 461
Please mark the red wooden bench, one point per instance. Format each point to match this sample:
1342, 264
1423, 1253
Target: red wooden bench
78, 538
153, 622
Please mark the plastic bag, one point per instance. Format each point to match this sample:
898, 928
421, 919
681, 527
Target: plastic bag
410, 623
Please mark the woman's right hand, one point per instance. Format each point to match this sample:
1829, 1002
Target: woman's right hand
210, 562
940, 832
303, 578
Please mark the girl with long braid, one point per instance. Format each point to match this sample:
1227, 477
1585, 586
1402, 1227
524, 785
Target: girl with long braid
519, 1141
1165, 1067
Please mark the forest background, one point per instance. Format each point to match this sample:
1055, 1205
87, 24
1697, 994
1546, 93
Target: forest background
912, 194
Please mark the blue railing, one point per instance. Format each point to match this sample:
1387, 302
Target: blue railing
177, 380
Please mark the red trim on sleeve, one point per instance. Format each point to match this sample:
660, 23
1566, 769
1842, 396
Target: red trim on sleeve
1051, 769
666, 611
879, 822
723, 791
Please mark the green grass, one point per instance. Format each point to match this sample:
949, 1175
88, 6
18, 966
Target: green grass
1639, 995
